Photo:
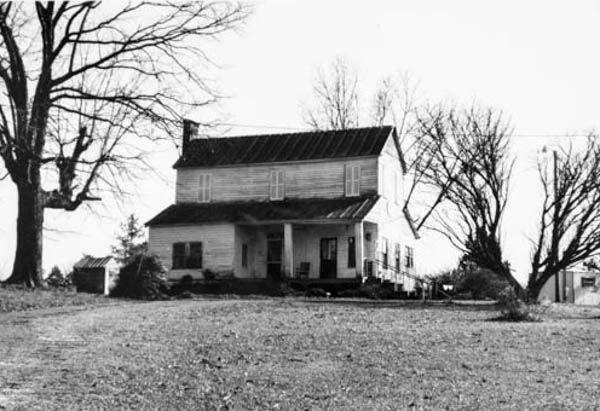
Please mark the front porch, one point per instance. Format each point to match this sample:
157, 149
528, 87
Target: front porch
305, 251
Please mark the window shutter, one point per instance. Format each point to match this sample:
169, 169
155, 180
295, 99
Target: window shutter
208, 187
280, 185
356, 182
348, 178
195, 256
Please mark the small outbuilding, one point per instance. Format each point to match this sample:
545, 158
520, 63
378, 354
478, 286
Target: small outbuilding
576, 285
95, 274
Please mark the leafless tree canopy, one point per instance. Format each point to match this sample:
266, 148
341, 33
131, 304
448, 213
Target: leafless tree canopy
79, 79
336, 95
465, 162
569, 227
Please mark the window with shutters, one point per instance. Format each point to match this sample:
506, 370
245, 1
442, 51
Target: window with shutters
409, 261
187, 255
179, 255
277, 186
352, 180
385, 252
204, 188
397, 257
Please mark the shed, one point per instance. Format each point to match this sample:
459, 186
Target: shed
95, 274
576, 285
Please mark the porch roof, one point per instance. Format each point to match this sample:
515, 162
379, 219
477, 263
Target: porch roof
260, 212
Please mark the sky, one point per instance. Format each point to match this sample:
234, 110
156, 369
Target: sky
538, 61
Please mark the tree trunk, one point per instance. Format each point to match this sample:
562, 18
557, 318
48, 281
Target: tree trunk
534, 288
27, 268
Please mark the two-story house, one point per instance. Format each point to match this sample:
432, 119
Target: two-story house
319, 205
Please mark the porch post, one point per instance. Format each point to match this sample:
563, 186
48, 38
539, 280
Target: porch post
288, 244
359, 238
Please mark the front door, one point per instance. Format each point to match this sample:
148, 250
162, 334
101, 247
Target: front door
274, 256
328, 258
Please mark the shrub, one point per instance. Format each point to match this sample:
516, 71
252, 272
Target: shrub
186, 282
481, 284
209, 275
376, 292
143, 277
316, 292
512, 308
56, 279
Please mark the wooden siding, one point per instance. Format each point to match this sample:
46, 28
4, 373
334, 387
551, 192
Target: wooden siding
217, 246
302, 180
391, 224
91, 280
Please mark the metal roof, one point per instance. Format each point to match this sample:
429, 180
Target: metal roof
92, 262
313, 145
257, 212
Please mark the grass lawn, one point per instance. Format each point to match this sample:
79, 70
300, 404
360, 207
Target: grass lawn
294, 354
19, 298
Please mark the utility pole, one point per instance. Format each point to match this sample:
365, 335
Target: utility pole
554, 180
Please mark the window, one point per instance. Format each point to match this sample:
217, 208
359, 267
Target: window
187, 255
277, 187
179, 255
351, 252
397, 256
588, 282
409, 258
352, 180
204, 188
385, 252
244, 255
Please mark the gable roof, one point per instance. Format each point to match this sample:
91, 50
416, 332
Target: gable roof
312, 145
249, 212
92, 262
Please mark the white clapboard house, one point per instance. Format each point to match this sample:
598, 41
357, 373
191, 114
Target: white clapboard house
314, 206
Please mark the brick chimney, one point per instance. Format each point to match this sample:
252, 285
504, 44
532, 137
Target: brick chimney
190, 132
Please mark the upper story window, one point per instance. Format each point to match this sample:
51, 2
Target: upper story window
204, 188
277, 186
352, 180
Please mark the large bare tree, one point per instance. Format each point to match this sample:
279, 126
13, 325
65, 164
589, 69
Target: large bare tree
465, 165
569, 226
80, 81
336, 98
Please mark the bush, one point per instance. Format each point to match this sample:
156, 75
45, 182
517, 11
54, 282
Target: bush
209, 275
481, 284
56, 279
376, 292
143, 277
317, 292
512, 308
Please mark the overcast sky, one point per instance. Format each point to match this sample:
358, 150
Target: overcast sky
538, 61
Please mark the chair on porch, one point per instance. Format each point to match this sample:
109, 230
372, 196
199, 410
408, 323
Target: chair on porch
303, 270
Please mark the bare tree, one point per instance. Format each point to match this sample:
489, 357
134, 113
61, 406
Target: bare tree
79, 82
569, 227
336, 94
466, 166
